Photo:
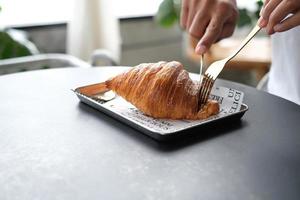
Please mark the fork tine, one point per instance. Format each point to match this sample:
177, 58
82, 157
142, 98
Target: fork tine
201, 88
202, 91
209, 87
205, 90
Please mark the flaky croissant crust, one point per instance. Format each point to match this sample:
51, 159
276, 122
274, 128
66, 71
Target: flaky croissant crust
162, 90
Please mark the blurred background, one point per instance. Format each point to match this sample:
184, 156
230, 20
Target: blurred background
129, 32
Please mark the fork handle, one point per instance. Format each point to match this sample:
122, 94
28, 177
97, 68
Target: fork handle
254, 31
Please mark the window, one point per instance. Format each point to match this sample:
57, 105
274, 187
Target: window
31, 12
35, 12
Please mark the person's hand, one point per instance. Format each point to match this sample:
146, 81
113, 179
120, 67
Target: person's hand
208, 20
275, 15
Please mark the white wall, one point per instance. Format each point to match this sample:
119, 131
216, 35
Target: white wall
32, 12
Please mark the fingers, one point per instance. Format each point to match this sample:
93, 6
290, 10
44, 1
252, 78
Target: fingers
184, 13
269, 7
275, 11
278, 14
265, 3
199, 25
265, 12
194, 20
261, 21
227, 31
221, 25
288, 23
195, 17
192, 12
211, 35
205, 19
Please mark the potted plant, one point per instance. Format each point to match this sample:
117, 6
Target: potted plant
11, 46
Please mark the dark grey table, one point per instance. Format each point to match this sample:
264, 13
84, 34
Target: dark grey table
53, 147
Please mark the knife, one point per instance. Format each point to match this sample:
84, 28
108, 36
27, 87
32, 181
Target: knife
200, 78
201, 68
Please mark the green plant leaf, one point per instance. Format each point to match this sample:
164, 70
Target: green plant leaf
259, 5
9, 48
167, 13
244, 18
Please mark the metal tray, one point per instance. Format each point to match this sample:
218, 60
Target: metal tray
158, 129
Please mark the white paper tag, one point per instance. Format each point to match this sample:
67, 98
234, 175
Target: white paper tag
230, 101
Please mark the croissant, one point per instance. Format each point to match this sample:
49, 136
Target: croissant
162, 90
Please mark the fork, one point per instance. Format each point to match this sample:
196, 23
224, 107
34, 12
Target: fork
215, 69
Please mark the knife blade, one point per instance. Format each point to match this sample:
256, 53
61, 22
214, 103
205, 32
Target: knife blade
201, 68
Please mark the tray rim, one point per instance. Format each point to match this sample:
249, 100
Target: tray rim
146, 130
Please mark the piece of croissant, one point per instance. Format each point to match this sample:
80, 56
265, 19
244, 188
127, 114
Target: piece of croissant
160, 90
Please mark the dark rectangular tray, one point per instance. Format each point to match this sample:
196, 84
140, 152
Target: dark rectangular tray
156, 128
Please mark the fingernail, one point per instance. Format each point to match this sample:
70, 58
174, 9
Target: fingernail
262, 22
201, 49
